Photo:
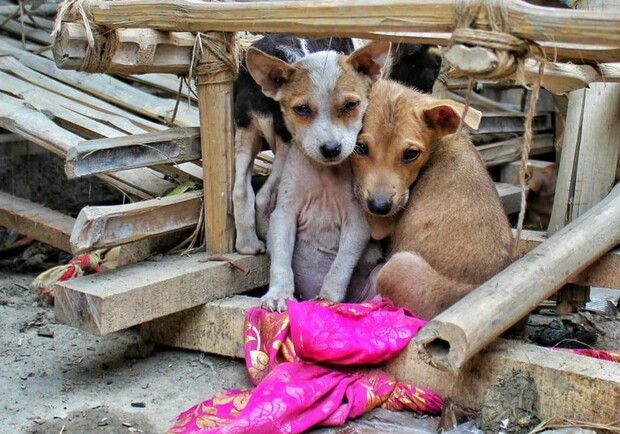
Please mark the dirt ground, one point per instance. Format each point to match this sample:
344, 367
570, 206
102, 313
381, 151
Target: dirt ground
85, 383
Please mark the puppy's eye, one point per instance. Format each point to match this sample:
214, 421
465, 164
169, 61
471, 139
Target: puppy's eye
303, 110
361, 149
349, 106
410, 155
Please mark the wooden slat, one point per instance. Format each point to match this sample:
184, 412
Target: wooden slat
21, 119
350, 17
107, 226
39, 70
571, 386
510, 150
111, 89
605, 272
131, 295
175, 145
12, 145
494, 122
36, 221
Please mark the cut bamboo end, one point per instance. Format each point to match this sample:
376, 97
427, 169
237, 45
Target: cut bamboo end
464, 329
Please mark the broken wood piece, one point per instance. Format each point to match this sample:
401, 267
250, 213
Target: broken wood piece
465, 328
107, 226
135, 51
176, 145
588, 389
36, 221
131, 295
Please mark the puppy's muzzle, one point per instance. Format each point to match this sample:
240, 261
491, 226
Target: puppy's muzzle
331, 150
380, 205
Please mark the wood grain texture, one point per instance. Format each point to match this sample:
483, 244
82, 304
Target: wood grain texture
506, 151
605, 272
108, 226
131, 295
176, 145
350, 18
571, 386
468, 326
36, 221
215, 102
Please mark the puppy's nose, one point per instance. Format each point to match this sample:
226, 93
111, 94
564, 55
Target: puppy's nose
380, 205
331, 150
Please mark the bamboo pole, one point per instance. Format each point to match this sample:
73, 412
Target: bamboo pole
351, 18
468, 326
214, 82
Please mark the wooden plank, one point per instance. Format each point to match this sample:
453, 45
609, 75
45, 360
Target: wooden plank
510, 195
605, 272
112, 90
107, 226
215, 100
590, 152
127, 296
87, 105
347, 17
496, 122
506, 151
176, 145
469, 325
36, 221
575, 387
22, 119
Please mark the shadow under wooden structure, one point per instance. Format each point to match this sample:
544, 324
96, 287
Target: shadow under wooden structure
193, 301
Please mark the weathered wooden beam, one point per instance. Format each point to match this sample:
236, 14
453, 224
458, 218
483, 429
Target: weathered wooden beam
214, 82
350, 18
506, 151
176, 145
461, 331
137, 50
36, 221
568, 386
107, 226
131, 295
605, 272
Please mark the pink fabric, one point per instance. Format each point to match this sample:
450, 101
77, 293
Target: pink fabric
293, 392
611, 356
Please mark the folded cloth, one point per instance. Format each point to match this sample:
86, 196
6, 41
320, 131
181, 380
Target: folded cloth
307, 365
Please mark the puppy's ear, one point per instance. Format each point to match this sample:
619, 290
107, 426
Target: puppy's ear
444, 116
269, 72
370, 59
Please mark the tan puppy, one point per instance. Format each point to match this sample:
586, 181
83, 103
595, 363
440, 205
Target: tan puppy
429, 189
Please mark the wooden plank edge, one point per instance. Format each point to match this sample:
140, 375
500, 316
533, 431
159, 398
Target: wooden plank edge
131, 295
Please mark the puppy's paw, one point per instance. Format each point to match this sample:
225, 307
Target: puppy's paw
332, 293
275, 299
249, 245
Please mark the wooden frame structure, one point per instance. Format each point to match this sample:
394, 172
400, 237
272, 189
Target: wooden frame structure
170, 296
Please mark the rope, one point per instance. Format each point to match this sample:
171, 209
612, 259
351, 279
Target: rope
212, 54
510, 52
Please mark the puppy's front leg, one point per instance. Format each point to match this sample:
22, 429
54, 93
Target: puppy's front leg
268, 192
354, 237
281, 245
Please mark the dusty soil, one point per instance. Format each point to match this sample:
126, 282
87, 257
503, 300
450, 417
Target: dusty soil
85, 383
